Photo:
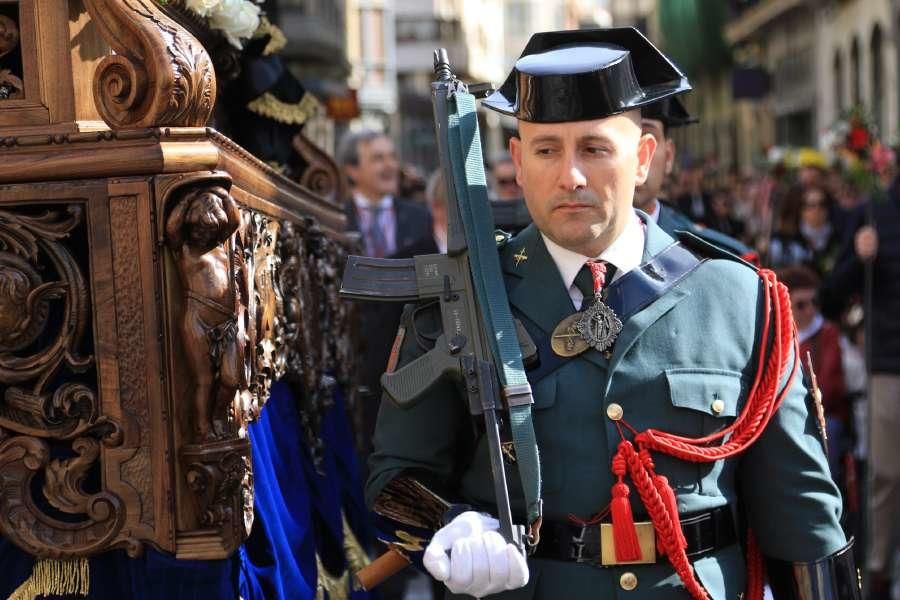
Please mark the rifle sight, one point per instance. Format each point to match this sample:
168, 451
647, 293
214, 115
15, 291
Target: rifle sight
442, 65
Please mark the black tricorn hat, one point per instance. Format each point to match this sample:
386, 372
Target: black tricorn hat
670, 111
586, 74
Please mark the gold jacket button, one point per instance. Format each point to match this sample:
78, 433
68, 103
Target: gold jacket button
614, 412
718, 406
628, 581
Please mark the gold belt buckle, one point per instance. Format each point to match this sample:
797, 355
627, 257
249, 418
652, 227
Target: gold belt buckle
646, 539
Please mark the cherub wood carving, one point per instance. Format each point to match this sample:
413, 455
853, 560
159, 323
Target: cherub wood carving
198, 231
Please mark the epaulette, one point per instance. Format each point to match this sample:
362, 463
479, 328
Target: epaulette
709, 250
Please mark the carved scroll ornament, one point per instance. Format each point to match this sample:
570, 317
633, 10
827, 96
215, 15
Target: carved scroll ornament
321, 175
160, 75
44, 325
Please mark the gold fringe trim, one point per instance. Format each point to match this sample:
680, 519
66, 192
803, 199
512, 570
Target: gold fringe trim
269, 106
51, 577
353, 550
277, 40
337, 588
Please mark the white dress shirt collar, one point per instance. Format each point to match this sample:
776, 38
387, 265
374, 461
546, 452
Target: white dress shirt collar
625, 253
812, 329
387, 201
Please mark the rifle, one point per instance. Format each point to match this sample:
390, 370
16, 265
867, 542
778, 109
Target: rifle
479, 345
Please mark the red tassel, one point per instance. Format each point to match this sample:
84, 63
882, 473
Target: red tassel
668, 497
628, 547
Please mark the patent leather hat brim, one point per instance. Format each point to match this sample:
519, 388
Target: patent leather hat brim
586, 74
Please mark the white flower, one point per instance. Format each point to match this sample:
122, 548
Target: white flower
237, 19
202, 7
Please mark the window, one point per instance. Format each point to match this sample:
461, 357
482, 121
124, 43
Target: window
855, 81
838, 82
877, 77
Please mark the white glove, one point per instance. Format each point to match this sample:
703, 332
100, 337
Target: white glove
480, 563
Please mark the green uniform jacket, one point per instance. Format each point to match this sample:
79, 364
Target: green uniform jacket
693, 345
670, 221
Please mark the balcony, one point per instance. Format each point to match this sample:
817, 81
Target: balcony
757, 15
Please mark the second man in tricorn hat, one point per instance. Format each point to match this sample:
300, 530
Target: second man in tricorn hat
679, 453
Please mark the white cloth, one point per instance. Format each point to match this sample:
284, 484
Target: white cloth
625, 253
812, 329
387, 222
480, 562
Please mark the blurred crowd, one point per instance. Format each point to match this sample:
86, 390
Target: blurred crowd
834, 243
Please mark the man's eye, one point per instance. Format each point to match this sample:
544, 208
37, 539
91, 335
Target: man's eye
545, 151
596, 150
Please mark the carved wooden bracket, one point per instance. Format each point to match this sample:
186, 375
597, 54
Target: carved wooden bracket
322, 174
231, 321
160, 76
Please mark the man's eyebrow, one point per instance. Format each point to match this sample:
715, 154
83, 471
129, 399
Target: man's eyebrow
544, 138
594, 138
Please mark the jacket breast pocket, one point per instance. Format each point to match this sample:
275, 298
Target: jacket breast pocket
711, 398
705, 401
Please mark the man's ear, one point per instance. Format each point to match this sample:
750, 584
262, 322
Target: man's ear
646, 148
351, 171
515, 151
670, 156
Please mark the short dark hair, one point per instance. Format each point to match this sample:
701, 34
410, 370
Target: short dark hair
799, 277
348, 148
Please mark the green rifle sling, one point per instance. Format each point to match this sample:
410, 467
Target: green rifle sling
464, 143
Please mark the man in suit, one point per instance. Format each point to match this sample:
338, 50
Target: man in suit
390, 227
668, 440
658, 119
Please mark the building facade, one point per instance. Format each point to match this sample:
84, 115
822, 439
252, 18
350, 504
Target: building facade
472, 32
821, 59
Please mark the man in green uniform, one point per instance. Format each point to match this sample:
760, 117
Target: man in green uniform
658, 119
672, 425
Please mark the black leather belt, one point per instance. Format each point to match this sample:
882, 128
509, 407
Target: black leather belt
705, 533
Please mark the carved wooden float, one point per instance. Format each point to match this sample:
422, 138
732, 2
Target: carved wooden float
155, 278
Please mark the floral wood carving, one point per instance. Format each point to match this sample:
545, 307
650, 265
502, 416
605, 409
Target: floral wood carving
265, 308
30, 359
160, 75
31, 528
318, 326
48, 391
220, 476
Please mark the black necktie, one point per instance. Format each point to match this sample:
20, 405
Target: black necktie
584, 281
